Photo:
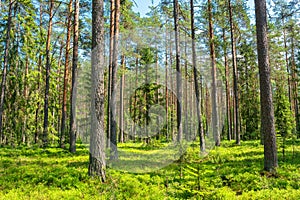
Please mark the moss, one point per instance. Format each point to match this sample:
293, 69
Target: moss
229, 172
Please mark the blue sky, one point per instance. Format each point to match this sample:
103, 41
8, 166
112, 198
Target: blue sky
142, 6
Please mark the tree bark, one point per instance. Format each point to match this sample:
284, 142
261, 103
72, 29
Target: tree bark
37, 131
74, 80
267, 110
178, 71
198, 101
287, 64
215, 122
97, 163
228, 99
113, 125
166, 88
185, 91
111, 47
25, 94
235, 77
122, 85
4, 72
66, 77
294, 84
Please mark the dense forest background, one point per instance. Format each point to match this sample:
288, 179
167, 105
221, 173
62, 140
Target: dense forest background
38, 66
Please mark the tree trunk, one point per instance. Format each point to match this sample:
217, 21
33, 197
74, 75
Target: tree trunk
235, 77
207, 110
215, 122
171, 96
198, 101
37, 111
295, 84
4, 72
166, 86
287, 64
97, 161
25, 94
185, 92
74, 80
66, 77
37, 131
111, 47
178, 71
228, 100
113, 125
58, 88
267, 110
157, 92
121, 119
135, 98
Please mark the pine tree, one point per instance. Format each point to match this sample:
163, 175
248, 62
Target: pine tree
5, 66
73, 96
267, 110
97, 162
215, 119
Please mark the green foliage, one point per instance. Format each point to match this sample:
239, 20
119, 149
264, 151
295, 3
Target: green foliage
142, 100
229, 172
147, 56
283, 114
249, 93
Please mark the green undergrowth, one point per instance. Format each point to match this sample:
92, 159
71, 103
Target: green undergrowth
227, 172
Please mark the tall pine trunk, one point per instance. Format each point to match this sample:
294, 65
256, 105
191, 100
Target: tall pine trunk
113, 125
66, 77
122, 86
294, 83
166, 83
287, 64
74, 80
267, 110
4, 72
109, 82
235, 77
178, 71
185, 92
37, 111
198, 101
227, 88
97, 163
214, 95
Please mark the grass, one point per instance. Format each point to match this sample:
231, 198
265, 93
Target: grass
227, 172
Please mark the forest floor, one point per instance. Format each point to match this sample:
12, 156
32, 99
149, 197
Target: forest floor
227, 172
